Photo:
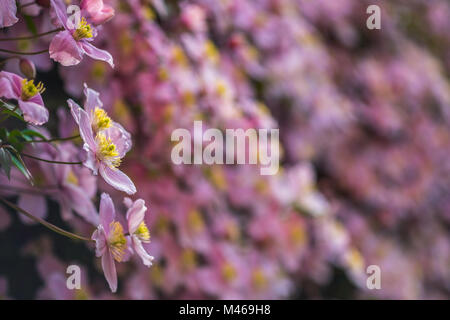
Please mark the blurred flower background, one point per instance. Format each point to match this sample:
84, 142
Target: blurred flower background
364, 119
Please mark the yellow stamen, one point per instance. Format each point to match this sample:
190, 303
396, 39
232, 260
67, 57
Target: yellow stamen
117, 241
228, 272
29, 89
72, 178
107, 151
101, 119
143, 233
195, 221
259, 280
83, 31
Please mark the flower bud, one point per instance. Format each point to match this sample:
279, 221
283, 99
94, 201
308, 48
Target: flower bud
27, 68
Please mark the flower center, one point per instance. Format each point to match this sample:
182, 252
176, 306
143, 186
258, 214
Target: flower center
72, 178
29, 89
117, 241
229, 273
101, 119
143, 233
107, 151
83, 31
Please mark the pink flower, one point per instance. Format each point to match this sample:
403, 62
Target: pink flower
137, 228
105, 141
27, 94
69, 46
8, 10
110, 241
97, 11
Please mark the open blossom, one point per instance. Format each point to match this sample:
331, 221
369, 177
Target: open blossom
8, 10
137, 228
97, 11
69, 46
28, 95
110, 241
105, 141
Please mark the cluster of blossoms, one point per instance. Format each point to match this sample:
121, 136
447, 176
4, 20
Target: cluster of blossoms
63, 169
363, 118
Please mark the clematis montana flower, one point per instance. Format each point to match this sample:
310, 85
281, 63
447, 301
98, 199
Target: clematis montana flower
97, 11
8, 10
105, 141
69, 46
27, 94
137, 228
110, 241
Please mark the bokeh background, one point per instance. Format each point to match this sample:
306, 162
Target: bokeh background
364, 120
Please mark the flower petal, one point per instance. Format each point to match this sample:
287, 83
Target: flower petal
75, 110
8, 10
117, 179
33, 112
107, 211
33, 204
92, 99
135, 215
109, 269
65, 50
60, 11
86, 131
10, 85
146, 258
96, 53
81, 203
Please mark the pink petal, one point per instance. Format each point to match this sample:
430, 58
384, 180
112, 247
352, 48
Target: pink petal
81, 203
65, 50
8, 10
86, 131
10, 85
146, 258
61, 12
107, 211
117, 179
100, 241
92, 99
33, 112
135, 215
96, 53
75, 110
109, 269
36, 205
97, 10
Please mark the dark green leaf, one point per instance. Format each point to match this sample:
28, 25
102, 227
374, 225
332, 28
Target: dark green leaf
5, 162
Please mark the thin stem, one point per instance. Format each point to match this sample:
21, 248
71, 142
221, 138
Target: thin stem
55, 139
45, 223
49, 161
32, 36
24, 190
24, 53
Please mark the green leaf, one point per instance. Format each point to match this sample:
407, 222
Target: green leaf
19, 164
11, 110
28, 134
30, 24
5, 162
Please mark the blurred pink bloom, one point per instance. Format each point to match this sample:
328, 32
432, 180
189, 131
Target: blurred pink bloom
27, 94
97, 11
8, 10
69, 46
106, 142
138, 229
110, 241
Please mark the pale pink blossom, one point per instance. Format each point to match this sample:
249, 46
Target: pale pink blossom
110, 241
27, 94
69, 45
